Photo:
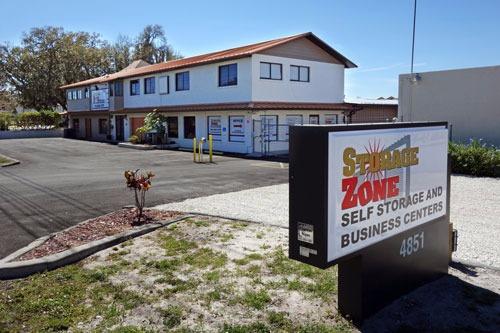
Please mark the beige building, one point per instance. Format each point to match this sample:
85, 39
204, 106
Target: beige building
469, 99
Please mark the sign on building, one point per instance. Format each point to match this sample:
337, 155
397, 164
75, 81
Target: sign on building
237, 128
375, 200
215, 126
100, 99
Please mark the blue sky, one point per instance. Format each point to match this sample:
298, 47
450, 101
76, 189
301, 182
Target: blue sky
376, 35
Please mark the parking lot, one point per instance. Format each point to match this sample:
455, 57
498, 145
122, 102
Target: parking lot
62, 182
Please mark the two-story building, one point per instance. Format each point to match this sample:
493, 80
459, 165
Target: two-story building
245, 97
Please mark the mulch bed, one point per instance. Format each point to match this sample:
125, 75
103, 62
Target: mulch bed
96, 228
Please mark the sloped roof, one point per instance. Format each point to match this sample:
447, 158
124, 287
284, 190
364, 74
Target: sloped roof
234, 53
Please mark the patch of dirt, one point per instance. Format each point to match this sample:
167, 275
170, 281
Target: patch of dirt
95, 229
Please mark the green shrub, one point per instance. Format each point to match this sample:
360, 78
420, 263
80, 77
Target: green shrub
134, 139
475, 158
49, 118
5, 121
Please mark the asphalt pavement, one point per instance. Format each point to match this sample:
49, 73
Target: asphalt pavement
61, 182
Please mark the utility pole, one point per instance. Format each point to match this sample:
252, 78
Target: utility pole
413, 39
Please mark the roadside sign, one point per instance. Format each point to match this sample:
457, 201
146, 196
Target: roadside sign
374, 199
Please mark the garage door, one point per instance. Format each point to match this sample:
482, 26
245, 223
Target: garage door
135, 123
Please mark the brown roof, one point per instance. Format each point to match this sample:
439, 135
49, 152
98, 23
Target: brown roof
236, 106
234, 53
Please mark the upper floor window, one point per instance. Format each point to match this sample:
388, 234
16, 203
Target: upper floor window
70, 96
270, 71
74, 95
118, 88
182, 81
164, 84
228, 75
299, 73
87, 93
149, 85
135, 88
80, 94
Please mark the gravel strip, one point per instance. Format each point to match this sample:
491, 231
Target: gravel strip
475, 213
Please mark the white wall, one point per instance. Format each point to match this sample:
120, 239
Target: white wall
326, 82
204, 87
469, 99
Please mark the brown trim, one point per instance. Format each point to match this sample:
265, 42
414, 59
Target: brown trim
250, 106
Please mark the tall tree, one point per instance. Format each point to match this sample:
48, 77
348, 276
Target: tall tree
49, 57
151, 45
122, 53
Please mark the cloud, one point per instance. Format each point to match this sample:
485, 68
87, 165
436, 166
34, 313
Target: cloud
392, 66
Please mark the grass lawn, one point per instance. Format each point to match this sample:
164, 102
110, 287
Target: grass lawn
201, 275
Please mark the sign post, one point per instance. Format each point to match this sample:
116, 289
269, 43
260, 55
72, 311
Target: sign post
373, 199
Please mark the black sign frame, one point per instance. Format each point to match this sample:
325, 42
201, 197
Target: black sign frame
375, 275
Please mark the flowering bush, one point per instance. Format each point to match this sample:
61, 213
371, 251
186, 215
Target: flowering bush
140, 183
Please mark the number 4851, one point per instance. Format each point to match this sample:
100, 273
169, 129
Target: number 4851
412, 244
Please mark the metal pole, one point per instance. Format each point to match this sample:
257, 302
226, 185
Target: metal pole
194, 150
210, 147
413, 39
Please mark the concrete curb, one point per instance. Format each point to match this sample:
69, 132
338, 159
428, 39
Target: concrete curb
136, 146
14, 161
20, 269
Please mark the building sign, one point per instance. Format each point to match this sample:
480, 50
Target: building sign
237, 128
374, 199
215, 126
383, 182
100, 99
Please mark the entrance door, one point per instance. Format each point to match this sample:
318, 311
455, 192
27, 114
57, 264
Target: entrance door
120, 129
135, 124
76, 127
88, 128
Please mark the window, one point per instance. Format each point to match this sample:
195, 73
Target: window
149, 85
118, 88
103, 126
135, 88
314, 119
164, 84
237, 128
228, 75
172, 127
189, 127
69, 96
111, 90
331, 119
87, 93
79, 94
299, 73
182, 81
270, 71
214, 124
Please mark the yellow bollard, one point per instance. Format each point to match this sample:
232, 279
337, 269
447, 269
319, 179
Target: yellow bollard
210, 147
194, 150
200, 147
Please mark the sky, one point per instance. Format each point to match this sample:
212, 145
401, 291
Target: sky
375, 35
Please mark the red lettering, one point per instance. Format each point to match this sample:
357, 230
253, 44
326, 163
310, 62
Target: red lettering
350, 199
365, 193
368, 191
392, 189
379, 189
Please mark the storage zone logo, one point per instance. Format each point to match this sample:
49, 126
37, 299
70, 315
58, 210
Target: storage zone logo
372, 166
382, 183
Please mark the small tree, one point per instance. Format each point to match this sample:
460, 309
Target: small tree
140, 183
5, 121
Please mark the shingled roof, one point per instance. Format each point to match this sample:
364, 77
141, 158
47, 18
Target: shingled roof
234, 53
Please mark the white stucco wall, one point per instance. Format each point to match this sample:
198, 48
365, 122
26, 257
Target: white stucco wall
204, 87
326, 82
469, 99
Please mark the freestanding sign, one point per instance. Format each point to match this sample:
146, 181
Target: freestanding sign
375, 199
